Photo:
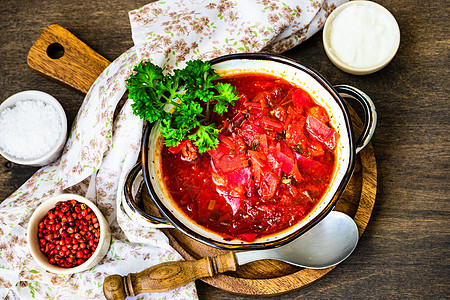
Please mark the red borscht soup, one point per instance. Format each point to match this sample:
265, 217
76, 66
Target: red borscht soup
274, 162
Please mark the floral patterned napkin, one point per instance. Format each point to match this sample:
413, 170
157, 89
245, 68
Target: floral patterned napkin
101, 149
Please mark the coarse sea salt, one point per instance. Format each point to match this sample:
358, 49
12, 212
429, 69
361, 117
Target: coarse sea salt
30, 129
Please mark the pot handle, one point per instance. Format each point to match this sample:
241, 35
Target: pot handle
128, 187
370, 114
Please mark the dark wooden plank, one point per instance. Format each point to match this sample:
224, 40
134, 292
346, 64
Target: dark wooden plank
404, 251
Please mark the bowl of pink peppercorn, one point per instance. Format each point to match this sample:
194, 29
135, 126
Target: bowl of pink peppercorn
68, 234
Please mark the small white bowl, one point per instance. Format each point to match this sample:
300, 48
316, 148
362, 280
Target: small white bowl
55, 152
353, 29
33, 240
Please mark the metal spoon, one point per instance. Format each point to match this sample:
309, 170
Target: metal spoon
328, 243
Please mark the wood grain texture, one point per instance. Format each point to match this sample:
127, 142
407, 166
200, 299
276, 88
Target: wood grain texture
61, 56
167, 276
404, 251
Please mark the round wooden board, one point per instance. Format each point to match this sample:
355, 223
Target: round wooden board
269, 277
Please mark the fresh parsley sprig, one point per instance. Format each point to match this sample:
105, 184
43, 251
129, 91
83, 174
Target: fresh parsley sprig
182, 101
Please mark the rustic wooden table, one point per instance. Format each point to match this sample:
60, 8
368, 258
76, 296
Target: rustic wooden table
404, 250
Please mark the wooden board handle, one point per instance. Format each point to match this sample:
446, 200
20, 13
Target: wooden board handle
62, 57
167, 276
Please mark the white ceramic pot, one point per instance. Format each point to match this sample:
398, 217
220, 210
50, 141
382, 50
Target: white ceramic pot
323, 93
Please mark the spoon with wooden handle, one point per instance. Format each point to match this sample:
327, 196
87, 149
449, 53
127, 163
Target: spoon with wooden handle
328, 243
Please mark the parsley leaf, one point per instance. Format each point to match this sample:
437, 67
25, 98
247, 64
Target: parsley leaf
206, 137
182, 101
141, 88
226, 97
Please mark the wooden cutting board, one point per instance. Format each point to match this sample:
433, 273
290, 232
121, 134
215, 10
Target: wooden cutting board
60, 56
269, 277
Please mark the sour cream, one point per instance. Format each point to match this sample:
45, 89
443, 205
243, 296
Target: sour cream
362, 35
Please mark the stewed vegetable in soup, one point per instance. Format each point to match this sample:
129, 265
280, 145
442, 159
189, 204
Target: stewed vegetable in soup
274, 161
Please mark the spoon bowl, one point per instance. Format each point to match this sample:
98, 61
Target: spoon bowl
327, 244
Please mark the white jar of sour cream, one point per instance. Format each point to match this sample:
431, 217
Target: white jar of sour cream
361, 37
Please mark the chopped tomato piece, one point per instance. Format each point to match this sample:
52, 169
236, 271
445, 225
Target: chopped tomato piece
226, 160
322, 132
263, 143
239, 143
221, 150
301, 99
247, 237
320, 114
228, 163
269, 183
276, 125
239, 177
279, 113
295, 135
176, 149
256, 168
285, 149
315, 149
296, 174
226, 141
253, 104
274, 96
274, 164
261, 98
248, 132
258, 155
287, 164
311, 167
234, 202
285, 157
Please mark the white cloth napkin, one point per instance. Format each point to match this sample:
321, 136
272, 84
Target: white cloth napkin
101, 150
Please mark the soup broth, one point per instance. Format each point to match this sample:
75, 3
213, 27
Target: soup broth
274, 162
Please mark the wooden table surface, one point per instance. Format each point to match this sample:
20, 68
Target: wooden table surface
404, 250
